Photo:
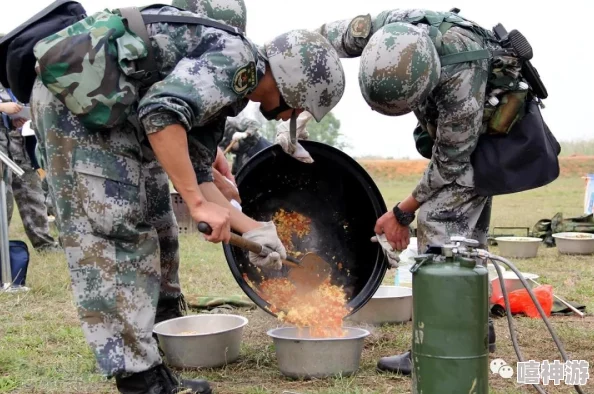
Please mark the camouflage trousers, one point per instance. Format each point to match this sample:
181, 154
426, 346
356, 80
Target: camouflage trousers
26, 190
117, 228
454, 210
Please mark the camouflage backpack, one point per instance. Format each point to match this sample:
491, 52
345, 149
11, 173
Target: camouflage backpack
545, 228
103, 92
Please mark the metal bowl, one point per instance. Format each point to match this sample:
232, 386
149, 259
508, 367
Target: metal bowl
512, 283
301, 357
216, 341
518, 247
574, 243
389, 304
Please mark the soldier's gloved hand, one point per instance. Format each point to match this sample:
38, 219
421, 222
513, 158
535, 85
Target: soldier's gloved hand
267, 236
390, 253
297, 151
283, 137
239, 135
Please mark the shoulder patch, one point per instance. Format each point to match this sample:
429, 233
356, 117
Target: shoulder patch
244, 78
360, 26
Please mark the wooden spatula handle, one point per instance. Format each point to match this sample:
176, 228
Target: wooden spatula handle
237, 240
243, 243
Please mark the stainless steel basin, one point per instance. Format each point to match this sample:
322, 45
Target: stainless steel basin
389, 304
301, 357
210, 340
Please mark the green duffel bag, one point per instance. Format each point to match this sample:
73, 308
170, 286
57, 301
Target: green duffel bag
90, 67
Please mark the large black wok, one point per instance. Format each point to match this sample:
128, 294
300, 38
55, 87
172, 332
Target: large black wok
341, 200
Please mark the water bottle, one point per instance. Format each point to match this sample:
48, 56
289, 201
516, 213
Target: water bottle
508, 110
404, 276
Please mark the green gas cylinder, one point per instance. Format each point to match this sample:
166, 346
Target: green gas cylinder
450, 352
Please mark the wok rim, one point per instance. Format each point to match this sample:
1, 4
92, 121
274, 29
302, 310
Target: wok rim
371, 189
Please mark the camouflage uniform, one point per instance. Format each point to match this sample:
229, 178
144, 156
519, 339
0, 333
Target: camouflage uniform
232, 12
246, 147
101, 180
452, 113
401, 72
26, 190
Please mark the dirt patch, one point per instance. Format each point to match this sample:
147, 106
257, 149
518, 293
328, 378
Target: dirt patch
394, 169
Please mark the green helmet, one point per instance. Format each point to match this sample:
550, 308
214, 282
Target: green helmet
399, 68
231, 12
307, 71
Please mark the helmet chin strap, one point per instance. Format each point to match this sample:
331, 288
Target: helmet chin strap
273, 113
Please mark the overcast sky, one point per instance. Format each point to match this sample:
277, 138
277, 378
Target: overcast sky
560, 40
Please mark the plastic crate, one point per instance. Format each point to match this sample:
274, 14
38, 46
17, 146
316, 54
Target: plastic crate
185, 222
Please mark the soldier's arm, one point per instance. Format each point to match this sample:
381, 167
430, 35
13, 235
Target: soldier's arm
198, 91
350, 36
200, 86
460, 104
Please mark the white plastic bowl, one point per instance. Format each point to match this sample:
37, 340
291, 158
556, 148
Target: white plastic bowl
574, 243
518, 247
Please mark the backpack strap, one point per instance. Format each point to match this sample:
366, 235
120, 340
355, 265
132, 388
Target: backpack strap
190, 20
467, 56
137, 23
148, 65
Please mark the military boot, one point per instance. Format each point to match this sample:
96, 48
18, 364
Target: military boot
401, 364
160, 380
170, 308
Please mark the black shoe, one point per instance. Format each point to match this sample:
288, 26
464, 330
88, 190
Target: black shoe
492, 337
170, 308
401, 364
160, 380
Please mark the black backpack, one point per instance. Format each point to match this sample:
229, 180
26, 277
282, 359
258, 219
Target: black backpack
19, 76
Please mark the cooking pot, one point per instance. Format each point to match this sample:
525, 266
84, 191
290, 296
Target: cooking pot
341, 200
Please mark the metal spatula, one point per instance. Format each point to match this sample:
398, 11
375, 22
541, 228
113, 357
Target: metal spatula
310, 272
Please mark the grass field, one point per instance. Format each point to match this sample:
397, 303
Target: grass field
42, 349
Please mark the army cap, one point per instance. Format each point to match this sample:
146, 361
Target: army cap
307, 71
399, 68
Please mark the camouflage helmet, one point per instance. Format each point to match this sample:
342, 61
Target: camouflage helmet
399, 68
231, 12
307, 71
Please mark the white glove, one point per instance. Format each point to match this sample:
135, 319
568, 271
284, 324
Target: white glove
267, 237
302, 120
390, 253
283, 138
297, 150
239, 135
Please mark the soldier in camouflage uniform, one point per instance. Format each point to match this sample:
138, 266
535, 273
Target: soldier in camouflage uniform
246, 138
400, 72
26, 189
100, 178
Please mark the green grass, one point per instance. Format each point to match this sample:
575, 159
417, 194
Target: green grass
42, 349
